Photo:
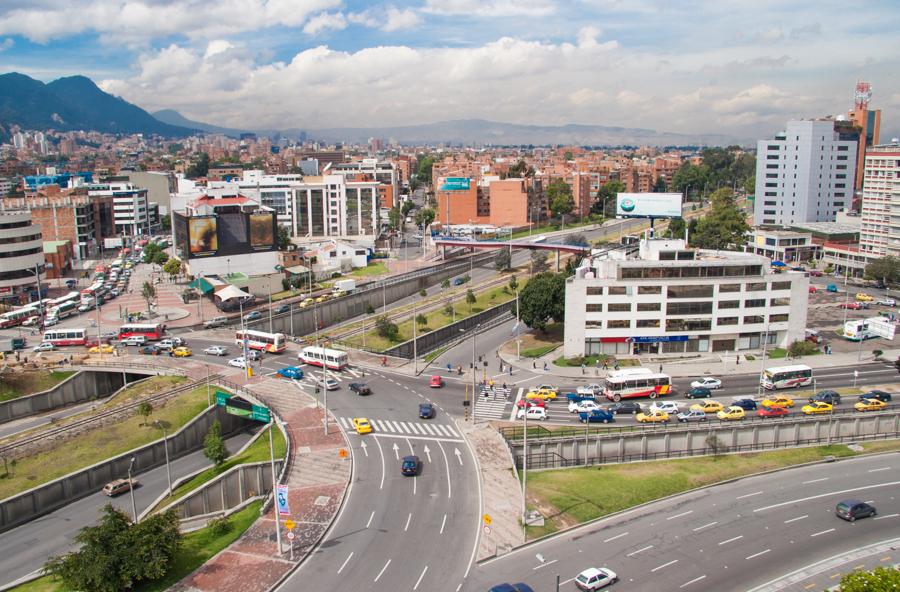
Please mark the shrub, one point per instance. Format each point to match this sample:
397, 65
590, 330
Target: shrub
219, 526
801, 347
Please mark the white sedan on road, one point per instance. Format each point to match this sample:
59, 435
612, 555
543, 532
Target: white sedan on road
887, 302
707, 382
238, 362
670, 407
583, 406
590, 389
536, 413
216, 350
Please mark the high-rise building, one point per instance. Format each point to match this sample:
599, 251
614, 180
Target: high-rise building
130, 206
805, 174
880, 232
869, 124
21, 256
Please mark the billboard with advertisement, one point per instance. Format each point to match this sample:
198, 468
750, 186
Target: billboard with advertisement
232, 232
202, 236
648, 205
262, 231
455, 184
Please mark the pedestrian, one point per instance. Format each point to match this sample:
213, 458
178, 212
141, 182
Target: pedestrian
660, 368
504, 387
605, 364
545, 366
510, 370
582, 368
737, 360
501, 366
617, 365
533, 363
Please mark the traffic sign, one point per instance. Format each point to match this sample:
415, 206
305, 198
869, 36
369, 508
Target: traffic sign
289, 524
290, 536
487, 529
343, 453
486, 519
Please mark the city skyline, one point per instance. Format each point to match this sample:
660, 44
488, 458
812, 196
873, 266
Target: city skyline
701, 67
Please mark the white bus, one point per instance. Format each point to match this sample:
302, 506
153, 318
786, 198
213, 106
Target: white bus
332, 359
64, 337
634, 371
637, 384
786, 377
269, 342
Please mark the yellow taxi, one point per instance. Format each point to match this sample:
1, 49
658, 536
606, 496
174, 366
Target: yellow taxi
322, 298
362, 425
777, 402
181, 352
652, 416
870, 405
816, 407
550, 390
538, 394
863, 297
709, 406
103, 348
733, 413
306, 302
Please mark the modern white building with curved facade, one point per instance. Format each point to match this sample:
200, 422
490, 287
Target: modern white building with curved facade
21, 256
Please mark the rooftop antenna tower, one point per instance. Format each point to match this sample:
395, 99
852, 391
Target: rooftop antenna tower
862, 95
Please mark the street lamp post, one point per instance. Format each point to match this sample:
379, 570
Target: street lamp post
134, 513
161, 425
274, 483
762, 368
270, 308
474, 373
524, 464
415, 340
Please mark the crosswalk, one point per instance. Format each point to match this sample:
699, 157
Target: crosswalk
493, 404
407, 428
312, 375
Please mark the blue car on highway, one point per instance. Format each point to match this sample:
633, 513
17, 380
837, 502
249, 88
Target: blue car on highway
252, 316
291, 372
596, 416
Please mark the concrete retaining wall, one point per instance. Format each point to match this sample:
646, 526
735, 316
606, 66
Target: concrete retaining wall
78, 388
653, 444
228, 490
51, 496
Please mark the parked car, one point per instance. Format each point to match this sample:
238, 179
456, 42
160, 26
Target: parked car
707, 382
512, 588
427, 411
815, 273
850, 305
623, 407
596, 416
745, 404
853, 509
360, 388
880, 395
700, 392
409, 466
291, 372
863, 297
118, 486
585, 406
594, 578
436, 382
830, 397
691, 415
216, 350
101, 349
832, 288
766, 411
538, 413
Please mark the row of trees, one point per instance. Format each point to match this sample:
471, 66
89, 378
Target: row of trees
720, 167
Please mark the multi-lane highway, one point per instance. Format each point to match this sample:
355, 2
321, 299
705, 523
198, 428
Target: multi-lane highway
729, 537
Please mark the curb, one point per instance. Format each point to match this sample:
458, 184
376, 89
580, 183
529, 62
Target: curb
595, 521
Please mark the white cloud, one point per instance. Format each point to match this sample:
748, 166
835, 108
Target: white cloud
491, 8
324, 22
217, 46
7, 44
400, 19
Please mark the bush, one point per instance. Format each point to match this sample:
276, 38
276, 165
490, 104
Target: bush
370, 310
214, 444
219, 526
877, 353
749, 357
801, 348
387, 329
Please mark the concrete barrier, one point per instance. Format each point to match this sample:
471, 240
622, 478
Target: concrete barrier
654, 444
28, 505
227, 491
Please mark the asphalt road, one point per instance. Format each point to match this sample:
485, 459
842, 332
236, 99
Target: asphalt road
729, 537
26, 548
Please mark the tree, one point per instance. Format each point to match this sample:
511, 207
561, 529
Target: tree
801, 348
406, 208
284, 237
385, 328
660, 185
116, 553
424, 217
880, 579
691, 178
370, 310
677, 226
214, 444
518, 169
606, 198
714, 443
423, 293
539, 261
513, 283
886, 269
725, 227
559, 195
568, 155
394, 218
150, 251
503, 260
470, 298
543, 300
421, 319
445, 284
448, 310
165, 223
172, 267
148, 292
144, 410
577, 239
423, 172
160, 258
199, 168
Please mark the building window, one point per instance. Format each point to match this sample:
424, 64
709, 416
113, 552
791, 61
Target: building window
683, 308
688, 325
757, 287
702, 291
723, 288
595, 291
648, 324
778, 318
618, 307
621, 324
754, 303
729, 304
780, 302
649, 306
594, 308
649, 290
754, 319
616, 290
781, 285
727, 321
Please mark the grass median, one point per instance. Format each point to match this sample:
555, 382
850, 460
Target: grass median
198, 547
567, 497
19, 384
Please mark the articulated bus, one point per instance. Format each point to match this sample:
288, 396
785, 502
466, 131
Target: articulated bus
62, 337
637, 384
332, 359
152, 331
786, 377
269, 342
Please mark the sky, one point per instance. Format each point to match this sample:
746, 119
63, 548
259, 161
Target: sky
734, 67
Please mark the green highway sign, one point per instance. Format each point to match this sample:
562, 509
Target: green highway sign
243, 408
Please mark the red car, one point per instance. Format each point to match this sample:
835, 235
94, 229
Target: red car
436, 382
850, 305
531, 403
812, 289
772, 411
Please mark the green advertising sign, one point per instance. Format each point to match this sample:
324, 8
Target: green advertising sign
455, 184
242, 408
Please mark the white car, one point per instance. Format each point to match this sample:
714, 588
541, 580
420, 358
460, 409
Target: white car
50, 321
85, 308
670, 407
583, 406
887, 302
45, 346
590, 389
216, 350
707, 382
538, 413
30, 321
238, 362
594, 578
330, 384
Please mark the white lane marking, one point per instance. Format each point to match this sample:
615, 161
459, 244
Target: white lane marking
429, 430
372, 515
749, 495
447, 466
415, 477
886, 516
680, 515
879, 470
664, 565
564, 582
814, 481
405, 429
442, 439
408, 519
829, 494
731, 540
346, 561
618, 536
416, 429
551, 562
377, 425
419, 581
694, 581
452, 431
639, 550
458, 588
822, 532
345, 423
381, 452
396, 427
512, 413
758, 554
444, 429
699, 528
443, 523
382, 570
797, 518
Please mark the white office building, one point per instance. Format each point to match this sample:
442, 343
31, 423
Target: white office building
669, 299
880, 231
21, 256
805, 174
131, 210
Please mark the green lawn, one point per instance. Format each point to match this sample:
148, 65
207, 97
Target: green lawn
572, 496
256, 452
374, 268
19, 384
198, 548
537, 352
99, 444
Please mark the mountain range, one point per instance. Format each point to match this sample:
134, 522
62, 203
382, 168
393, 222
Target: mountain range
76, 103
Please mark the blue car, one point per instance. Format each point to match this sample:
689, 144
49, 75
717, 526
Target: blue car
745, 404
570, 397
596, 416
291, 372
252, 316
458, 282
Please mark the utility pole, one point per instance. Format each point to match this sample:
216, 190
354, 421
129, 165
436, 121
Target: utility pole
208, 395
270, 308
415, 339
474, 373
134, 513
524, 465
274, 483
162, 426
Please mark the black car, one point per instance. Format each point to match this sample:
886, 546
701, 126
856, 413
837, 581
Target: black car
698, 392
426, 411
880, 395
851, 509
410, 465
745, 404
360, 388
830, 397
282, 308
150, 350
512, 588
625, 407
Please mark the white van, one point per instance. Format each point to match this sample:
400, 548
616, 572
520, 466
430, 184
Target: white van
134, 340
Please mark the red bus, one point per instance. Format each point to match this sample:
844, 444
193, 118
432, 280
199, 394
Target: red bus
152, 331
61, 337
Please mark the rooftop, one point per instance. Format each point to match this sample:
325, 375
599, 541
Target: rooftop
828, 228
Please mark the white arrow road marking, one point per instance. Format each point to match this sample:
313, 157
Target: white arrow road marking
428, 452
539, 557
396, 451
364, 446
458, 455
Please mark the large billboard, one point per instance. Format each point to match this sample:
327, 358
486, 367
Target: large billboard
455, 184
202, 235
648, 205
262, 231
232, 231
